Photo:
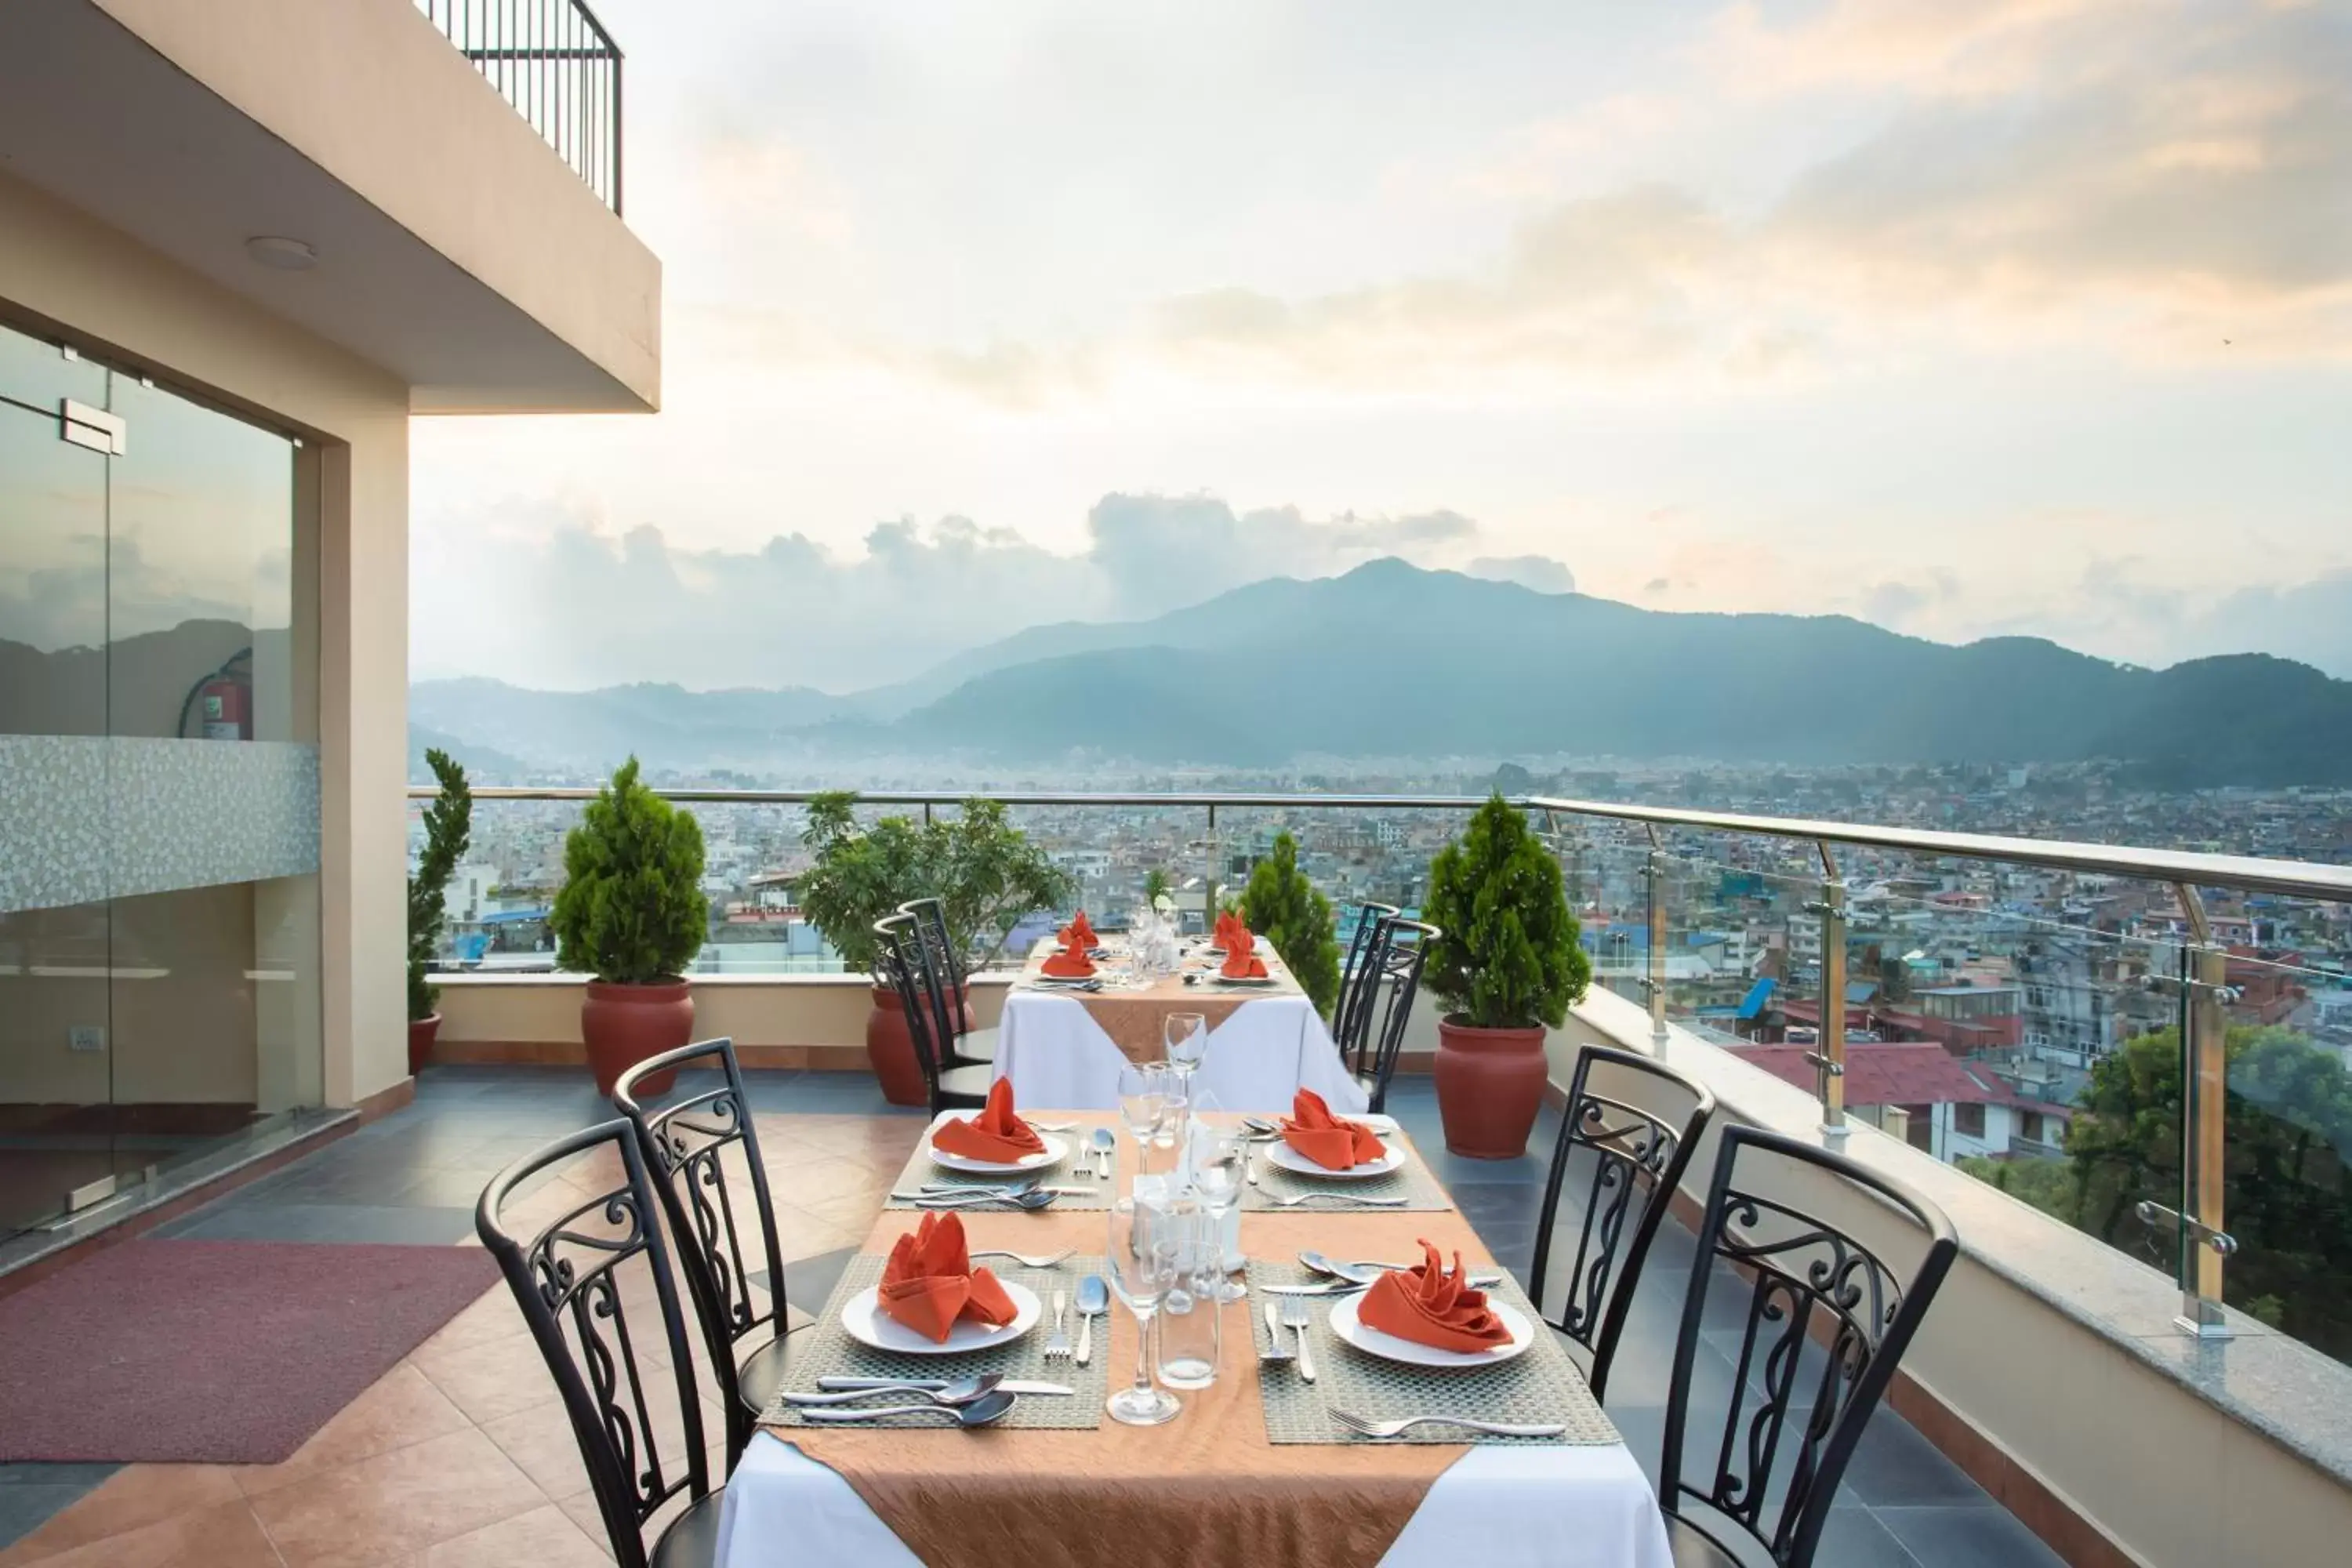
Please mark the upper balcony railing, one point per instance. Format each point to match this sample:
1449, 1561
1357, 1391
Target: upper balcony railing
553, 60
2150, 1045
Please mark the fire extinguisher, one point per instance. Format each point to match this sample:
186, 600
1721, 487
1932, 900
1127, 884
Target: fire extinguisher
223, 701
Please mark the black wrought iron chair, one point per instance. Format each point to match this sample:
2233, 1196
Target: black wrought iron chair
1826, 1317
906, 966
967, 1047
1359, 980
687, 1146
587, 1317
1635, 1123
1394, 963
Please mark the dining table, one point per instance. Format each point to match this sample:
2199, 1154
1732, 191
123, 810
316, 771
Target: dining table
1063, 1043
1253, 1469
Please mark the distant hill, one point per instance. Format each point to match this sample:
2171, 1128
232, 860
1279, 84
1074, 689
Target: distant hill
1391, 660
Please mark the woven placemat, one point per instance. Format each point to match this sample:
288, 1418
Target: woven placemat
1411, 1181
1071, 1173
1538, 1386
826, 1350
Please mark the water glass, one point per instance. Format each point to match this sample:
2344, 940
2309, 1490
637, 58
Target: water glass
1142, 1263
1189, 1312
1220, 1165
1175, 1104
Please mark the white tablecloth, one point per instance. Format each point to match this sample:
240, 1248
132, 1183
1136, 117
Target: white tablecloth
1566, 1507
1258, 1059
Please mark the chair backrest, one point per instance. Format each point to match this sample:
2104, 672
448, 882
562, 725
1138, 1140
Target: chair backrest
905, 963
568, 1278
1635, 1123
1826, 1317
931, 924
1360, 980
1402, 948
687, 1146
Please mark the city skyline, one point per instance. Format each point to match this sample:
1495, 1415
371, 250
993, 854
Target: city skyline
1962, 317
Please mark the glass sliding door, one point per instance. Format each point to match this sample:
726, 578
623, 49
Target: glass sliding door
159, 844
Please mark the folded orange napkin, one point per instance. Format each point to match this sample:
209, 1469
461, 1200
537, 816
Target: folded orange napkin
1070, 963
1078, 936
1330, 1142
1241, 963
1232, 934
993, 1134
929, 1282
1431, 1307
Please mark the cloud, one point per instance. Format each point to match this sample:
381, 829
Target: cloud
547, 594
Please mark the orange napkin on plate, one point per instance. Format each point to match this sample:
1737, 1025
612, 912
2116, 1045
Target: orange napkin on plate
1241, 963
930, 1283
1431, 1307
1330, 1142
994, 1134
1078, 936
1232, 934
1070, 963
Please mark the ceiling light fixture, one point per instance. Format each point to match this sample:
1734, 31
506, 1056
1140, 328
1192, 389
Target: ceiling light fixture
285, 255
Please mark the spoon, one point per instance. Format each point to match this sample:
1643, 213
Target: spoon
1103, 1143
962, 1391
1026, 1260
1094, 1300
945, 1201
990, 1406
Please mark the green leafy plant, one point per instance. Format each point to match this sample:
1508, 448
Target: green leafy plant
1282, 906
449, 828
1156, 886
1509, 958
631, 910
985, 872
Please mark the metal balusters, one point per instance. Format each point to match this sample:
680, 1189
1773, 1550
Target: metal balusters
555, 63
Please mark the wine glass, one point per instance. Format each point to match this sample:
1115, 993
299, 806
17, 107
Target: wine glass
1220, 1166
1143, 1105
1186, 1035
1143, 1258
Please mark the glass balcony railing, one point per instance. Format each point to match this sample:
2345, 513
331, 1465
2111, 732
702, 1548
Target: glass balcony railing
2153, 1047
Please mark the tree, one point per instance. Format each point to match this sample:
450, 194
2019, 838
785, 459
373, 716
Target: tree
448, 828
1156, 886
985, 872
2286, 1198
631, 910
1281, 905
1509, 957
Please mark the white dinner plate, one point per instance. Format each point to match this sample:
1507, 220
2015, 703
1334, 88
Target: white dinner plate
1387, 1347
862, 1318
1055, 1150
1281, 1154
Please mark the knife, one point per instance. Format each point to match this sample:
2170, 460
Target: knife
1009, 1386
1344, 1287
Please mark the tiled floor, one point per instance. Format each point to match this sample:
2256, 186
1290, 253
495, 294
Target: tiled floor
461, 1455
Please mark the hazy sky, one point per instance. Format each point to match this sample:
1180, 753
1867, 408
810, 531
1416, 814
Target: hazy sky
1968, 317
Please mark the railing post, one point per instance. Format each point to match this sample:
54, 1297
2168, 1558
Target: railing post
1653, 870
2202, 1240
1209, 883
1828, 1055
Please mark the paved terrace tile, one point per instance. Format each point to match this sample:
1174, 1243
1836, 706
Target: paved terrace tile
461, 1455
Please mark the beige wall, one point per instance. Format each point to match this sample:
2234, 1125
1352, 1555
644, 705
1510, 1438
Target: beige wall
821, 1011
371, 92
101, 289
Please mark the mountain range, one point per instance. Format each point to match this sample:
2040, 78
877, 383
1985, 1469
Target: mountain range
1391, 660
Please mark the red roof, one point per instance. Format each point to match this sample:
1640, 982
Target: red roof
1914, 1073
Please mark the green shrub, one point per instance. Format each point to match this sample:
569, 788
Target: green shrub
448, 826
1282, 906
631, 912
984, 871
1509, 958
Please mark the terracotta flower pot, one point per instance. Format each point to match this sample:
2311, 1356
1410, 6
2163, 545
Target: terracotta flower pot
421, 1032
623, 1024
1490, 1084
892, 1052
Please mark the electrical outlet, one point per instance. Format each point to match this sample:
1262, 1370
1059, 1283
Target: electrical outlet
85, 1037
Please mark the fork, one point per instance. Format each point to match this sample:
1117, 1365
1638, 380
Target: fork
1295, 1316
1057, 1345
1370, 1428
1294, 1201
1026, 1260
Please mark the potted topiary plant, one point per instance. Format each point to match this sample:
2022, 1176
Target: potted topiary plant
985, 872
448, 826
631, 912
1507, 966
1282, 906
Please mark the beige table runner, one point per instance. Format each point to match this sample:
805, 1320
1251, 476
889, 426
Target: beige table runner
1207, 1488
1136, 1017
